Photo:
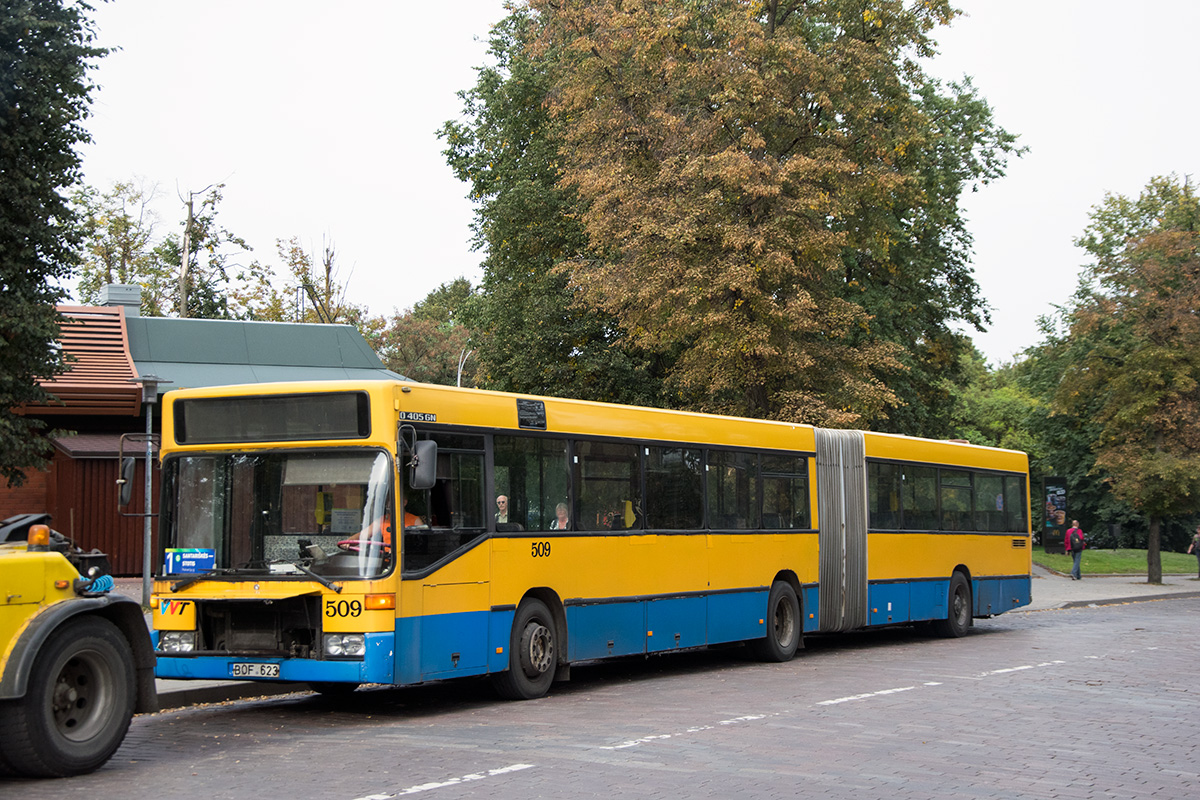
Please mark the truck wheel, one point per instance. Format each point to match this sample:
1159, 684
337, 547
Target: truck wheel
78, 704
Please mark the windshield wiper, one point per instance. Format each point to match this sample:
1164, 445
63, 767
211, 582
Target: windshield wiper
183, 583
328, 584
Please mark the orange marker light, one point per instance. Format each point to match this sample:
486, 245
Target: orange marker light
379, 602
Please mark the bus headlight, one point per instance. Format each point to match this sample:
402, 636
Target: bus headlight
177, 641
345, 644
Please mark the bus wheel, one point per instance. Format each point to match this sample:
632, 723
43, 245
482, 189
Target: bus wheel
532, 654
783, 625
958, 610
78, 704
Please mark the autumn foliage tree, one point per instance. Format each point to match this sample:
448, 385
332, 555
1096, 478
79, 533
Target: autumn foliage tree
766, 193
1133, 354
530, 332
428, 342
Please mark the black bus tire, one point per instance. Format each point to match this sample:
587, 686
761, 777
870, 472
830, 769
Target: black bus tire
783, 626
78, 705
532, 654
958, 610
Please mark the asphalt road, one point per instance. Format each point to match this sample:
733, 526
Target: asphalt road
1070, 702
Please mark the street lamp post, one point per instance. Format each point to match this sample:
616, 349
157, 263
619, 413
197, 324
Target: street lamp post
149, 398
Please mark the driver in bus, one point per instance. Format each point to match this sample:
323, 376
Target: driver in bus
410, 519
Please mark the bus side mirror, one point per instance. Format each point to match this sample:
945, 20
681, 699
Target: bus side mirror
125, 482
422, 467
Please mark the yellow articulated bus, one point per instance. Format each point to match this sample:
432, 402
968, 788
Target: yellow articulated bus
342, 533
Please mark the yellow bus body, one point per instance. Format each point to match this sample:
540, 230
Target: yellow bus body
611, 593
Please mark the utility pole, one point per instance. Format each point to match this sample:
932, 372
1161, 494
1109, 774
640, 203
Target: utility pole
183, 267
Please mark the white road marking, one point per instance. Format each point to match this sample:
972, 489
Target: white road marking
854, 697
428, 787
635, 743
1005, 671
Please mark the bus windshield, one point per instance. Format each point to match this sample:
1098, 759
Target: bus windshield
284, 513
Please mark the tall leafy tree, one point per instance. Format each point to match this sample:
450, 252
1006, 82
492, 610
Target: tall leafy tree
45, 52
760, 198
427, 342
213, 262
1133, 359
923, 289
530, 332
119, 244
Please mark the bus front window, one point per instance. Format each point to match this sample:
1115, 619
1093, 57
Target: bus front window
280, 513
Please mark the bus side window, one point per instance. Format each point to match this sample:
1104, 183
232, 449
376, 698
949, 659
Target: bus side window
785, 492
919, 500
674, 488
608, 487
883, 488
453, 509
532, 472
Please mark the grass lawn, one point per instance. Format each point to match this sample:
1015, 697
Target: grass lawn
1116, 562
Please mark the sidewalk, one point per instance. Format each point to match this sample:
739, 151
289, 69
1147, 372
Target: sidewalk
1050, 591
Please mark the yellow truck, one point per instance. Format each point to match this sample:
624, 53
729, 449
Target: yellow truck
76, 660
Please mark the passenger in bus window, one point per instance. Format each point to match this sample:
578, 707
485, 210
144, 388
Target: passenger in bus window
561, 523
503, 516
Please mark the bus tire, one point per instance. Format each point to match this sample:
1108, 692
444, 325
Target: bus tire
783, 626
532, 653
958, 610
78, 704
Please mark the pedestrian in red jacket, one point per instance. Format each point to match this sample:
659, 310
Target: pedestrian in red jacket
1074, 543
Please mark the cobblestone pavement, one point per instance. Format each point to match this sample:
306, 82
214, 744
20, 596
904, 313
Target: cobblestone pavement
1083, 702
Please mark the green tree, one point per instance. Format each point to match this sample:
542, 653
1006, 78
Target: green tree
1133, 358
311, 292
45, 53
444, 304
427, 343
212, 270
767, 194
923, 290
119, 246
530, 332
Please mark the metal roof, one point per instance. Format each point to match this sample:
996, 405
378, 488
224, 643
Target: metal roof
205, 352
97, 380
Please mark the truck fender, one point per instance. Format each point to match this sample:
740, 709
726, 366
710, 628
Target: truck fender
117, 609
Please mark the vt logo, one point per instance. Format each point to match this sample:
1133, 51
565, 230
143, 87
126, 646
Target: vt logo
173, 607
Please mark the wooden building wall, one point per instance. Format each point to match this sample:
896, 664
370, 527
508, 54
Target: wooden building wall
83, 504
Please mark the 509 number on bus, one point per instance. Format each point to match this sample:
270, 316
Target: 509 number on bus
343, 608
540, 549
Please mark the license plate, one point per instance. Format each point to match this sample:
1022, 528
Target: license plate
245, 670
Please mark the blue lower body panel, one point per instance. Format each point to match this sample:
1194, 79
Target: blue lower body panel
897, 602
445, 646
478, 642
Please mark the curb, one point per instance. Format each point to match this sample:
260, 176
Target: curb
1113, 601
175, 699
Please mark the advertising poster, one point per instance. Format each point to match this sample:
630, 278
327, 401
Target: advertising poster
1055, 525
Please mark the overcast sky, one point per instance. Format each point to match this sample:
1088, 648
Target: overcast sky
321, 121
